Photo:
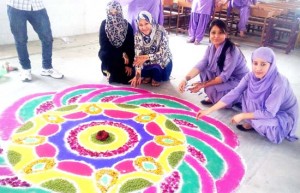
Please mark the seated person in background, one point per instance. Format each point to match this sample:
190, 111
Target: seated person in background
116, 40
221, 69
153, 59
268, 103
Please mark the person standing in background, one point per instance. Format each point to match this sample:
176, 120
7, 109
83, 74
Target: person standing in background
136, 6
19, 13
199, 20
244, 7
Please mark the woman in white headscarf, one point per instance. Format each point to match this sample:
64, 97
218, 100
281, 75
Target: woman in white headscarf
116, 40
153, 59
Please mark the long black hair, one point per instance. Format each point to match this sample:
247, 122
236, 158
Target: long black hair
228, 43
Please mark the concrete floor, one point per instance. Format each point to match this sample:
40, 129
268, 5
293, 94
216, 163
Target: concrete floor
270, 168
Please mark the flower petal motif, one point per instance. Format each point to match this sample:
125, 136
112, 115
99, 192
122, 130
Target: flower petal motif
167, 140
93, 109
145, 118
30, 140
39, 165
148, 164
106, 178
52, 118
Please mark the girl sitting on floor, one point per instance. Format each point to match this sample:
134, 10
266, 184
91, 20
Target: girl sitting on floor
268, 103
221, 68
153, 59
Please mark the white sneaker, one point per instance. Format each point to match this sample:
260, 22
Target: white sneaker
26, 75
52, 73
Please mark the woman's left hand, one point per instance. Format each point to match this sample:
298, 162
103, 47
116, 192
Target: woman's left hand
136, 81
140, 60
237, 118
196, 87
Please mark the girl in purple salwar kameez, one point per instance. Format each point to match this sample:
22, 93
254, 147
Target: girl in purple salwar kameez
268, 103
221, 68
136, 6
244, 7
200, 17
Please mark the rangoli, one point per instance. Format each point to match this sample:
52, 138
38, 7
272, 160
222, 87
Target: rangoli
155, 144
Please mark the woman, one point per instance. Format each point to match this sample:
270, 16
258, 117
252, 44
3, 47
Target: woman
244, 9
116, 45
153, 59
268, 102
199, 20
221, 68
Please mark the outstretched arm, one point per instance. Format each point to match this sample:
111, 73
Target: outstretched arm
215, 107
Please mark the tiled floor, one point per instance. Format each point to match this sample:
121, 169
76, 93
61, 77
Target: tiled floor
270, 168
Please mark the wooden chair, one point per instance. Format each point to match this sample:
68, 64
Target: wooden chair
183, 17
170, 14
276, 27
258, 21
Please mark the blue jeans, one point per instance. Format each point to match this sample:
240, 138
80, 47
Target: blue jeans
41, 25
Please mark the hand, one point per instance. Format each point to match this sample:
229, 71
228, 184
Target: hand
237, 118
182, 85
202, 113
126, 59
136, 81
196, 87
140, 60
128, 70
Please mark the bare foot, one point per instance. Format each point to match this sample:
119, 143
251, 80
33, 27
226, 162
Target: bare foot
242, 34
146, 80
190, 40
155, 83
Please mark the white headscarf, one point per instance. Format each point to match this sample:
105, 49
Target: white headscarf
148, 17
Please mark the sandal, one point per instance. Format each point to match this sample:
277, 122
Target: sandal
146, 80
242, 128
206, 102
155, 83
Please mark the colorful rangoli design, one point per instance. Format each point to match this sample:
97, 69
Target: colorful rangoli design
155, 144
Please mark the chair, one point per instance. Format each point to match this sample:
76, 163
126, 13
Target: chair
278, 26
183, 17
170, 14
258, 21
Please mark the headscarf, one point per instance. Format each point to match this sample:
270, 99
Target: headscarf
258, 87
148, 17
116, 26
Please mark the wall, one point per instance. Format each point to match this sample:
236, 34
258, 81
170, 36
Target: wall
67, 17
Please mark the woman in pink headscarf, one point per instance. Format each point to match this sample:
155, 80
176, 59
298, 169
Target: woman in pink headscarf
268, 103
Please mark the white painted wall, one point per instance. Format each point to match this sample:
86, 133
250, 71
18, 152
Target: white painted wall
67, 17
